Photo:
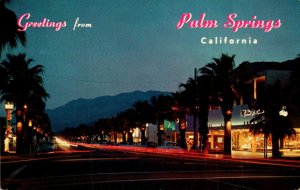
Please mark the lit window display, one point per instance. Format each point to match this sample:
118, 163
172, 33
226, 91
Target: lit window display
244, 140
216, 139
293, 142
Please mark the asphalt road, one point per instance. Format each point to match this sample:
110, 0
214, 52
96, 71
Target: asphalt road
111, 168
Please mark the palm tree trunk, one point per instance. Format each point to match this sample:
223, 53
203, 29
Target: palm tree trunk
130, 138
159, 141
266, 136
203, 128
182, 139
124, 138
101, 138
227, 137
160, 133
182, 130
143, 138
20, 132
275, 146
204, 142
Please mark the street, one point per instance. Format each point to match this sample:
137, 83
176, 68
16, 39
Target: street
117, 167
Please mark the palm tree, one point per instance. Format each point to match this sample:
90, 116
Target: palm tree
23, 87
196, 97
3, 78
143, 116
123, 125
189, 93
102, 127
162, 109
190, 96
204, 102
270, 122
9, 34
221, 73
128, 121
180, 110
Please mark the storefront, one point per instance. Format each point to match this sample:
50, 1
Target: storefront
241, 137
244, 140
216, 139
292, 143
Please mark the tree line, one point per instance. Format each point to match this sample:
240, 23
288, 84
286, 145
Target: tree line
217, 85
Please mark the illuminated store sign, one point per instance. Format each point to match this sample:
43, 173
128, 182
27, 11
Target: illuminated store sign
248, 112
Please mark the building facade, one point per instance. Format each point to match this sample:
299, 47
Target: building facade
257, 76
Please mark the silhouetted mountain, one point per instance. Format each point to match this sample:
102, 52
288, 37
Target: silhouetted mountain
85, 111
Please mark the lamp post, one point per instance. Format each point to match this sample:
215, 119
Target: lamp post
130, 138
196, 109
30, 135
27, 130
282, 113
143, 131
195, 126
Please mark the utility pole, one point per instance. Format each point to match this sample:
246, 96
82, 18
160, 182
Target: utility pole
195, 110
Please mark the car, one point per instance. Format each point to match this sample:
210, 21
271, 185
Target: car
46, 147
170, 145
151, 144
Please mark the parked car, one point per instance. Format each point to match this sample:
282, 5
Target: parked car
46, 147
170, 145
151, 144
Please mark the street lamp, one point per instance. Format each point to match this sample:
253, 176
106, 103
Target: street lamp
30, 123
197, 107
19, 127
283, 111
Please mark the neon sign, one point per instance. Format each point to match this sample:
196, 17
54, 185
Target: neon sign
248, 112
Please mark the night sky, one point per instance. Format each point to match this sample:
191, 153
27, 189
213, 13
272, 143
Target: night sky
135, 45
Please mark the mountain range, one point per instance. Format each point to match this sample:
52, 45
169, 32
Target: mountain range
86, 111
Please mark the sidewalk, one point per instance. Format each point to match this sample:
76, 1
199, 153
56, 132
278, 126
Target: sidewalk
290, 157
257, 155
4, 157
252, 155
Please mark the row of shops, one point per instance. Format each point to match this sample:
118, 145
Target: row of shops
9, 129
8, 136
241, 137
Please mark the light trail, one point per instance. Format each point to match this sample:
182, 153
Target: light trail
96, 159
184, 154
185, 178
64, 144
97, 180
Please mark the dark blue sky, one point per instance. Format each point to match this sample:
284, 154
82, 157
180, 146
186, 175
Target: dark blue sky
134, 44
